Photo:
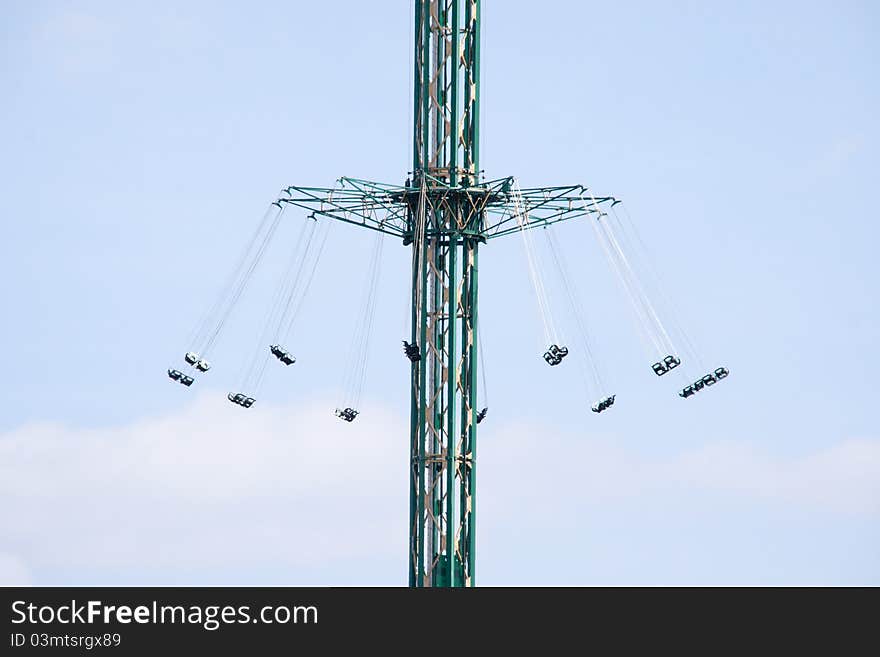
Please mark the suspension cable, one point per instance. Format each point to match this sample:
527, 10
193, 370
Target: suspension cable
209, 327
419, 246
358, 355
328, 226
242, 283
482, 362
203, 327
589, 361
663, 335
521, 216
645, 312
286, 284
629, 229
642, 325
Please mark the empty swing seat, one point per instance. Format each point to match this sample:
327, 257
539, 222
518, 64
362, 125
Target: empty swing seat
180, 377
191, 358
282, 354
668, 363
203, 365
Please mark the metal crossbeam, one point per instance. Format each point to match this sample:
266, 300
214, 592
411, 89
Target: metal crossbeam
542, 207
383, 206
359, 202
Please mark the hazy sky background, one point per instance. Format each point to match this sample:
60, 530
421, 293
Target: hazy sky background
141, 142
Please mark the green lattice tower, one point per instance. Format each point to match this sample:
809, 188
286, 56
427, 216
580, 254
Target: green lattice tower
444, 211
443, 425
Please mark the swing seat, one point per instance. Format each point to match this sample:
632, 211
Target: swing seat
180, 377
240, 399
191, 358
347, 414
709, 380
668, 363
604, 404
555, 354
412, 351
203, 365
482, 415
282, 354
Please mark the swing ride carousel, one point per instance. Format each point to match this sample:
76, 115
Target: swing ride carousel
666, 343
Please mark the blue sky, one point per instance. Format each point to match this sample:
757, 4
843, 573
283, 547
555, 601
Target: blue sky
141, 143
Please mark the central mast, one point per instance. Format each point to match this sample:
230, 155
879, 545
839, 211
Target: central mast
444, 224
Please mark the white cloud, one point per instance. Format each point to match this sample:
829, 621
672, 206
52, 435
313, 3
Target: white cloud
843, 478
216, 489
213, 485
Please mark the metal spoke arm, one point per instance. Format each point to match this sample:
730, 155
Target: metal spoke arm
384, 207
353, 201
540, 207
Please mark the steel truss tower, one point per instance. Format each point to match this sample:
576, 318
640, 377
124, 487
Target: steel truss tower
445, 210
